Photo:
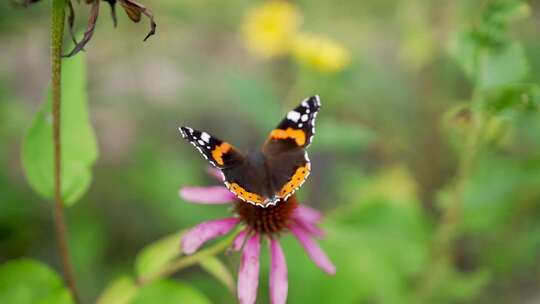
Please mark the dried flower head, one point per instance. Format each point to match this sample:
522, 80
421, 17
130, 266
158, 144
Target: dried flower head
133, 9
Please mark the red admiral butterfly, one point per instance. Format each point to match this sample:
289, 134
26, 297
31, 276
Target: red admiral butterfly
264, 177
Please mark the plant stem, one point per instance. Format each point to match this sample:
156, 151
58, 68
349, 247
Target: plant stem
186, 261
448, 229
57, 34
451, 217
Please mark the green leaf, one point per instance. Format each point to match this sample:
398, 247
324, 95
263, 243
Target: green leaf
502, 66
522, 97
169, 291
486, 51
464, 50
499, 14
120, 291
156, 256
490, 68
79, 147
216, 268
28, 281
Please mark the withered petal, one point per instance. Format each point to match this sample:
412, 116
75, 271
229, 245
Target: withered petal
112, 3
90, 27
134, 11
71, 20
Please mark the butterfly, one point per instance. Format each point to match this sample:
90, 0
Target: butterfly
273, 173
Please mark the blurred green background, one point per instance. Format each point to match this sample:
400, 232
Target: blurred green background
385, 157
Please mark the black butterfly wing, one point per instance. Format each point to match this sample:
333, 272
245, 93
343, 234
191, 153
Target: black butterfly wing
296, 130
239, 175
219, 153
285, 148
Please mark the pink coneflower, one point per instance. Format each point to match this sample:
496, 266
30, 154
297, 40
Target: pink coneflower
258, 223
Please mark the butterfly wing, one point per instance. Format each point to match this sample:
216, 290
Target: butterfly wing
297, 128
285, 148
239, 175
219, 153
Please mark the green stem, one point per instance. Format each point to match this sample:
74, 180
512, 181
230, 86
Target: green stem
186, 261
451, 217
57, 34
448, 229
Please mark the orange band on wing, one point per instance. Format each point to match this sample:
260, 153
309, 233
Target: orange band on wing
296, 181
217, 153
299, 136
244, 194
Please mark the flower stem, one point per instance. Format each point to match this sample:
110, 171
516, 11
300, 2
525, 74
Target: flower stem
448, 229
451, 217
57, 34
186, 261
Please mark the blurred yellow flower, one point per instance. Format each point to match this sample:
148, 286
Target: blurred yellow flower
269, 28
320, 53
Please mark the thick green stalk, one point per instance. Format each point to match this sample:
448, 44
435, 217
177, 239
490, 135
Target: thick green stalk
57, 34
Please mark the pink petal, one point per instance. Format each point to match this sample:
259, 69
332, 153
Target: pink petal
198, 235
313, 250
207, 195
248, 275
215, 173
278, 274
308, 218
307, 214
310, 228
239, 240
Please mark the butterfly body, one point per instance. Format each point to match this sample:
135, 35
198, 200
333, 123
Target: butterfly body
270, 175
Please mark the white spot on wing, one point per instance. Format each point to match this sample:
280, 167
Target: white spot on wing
293, 115
205, 136
305, 117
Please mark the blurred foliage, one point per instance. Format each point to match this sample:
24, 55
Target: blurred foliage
410, 80
168, 291
486, 52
